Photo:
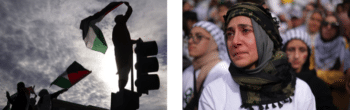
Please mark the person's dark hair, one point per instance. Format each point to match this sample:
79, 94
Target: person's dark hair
188, 15
117, 18
20, 85
43, 92
338, 28
339, 6
306, 65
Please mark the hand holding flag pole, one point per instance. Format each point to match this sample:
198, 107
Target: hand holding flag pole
93, 35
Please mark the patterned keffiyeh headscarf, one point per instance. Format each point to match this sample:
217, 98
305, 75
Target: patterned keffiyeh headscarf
272, 81
218, 36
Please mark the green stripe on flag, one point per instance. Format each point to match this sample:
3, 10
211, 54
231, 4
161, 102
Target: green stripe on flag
62, 82
99, 42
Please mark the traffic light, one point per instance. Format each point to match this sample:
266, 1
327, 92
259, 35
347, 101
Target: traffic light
146, 62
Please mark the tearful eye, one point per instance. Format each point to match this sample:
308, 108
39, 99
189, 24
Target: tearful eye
246, 30
230, 35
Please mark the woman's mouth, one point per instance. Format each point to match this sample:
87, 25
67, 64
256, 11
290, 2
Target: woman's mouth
238, 53
296, 63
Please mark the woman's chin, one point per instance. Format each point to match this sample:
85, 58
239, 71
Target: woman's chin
241, 63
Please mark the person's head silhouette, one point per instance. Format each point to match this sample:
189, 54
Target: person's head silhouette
43, 92
118, 17
20, 87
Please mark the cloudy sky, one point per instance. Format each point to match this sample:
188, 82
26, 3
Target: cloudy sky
41, 38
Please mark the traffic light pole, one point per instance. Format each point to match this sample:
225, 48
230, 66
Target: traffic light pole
146, 62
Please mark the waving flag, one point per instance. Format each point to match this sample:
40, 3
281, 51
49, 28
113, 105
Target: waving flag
74, 73
30, 90
92, 35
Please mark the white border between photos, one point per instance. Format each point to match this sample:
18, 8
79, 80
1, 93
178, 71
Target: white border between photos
174, 56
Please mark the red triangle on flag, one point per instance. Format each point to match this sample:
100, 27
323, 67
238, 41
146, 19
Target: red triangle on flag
75, 77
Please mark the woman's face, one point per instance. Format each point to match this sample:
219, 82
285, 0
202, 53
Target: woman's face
241, 42
198, 42
296, 51
329, 31
314, 23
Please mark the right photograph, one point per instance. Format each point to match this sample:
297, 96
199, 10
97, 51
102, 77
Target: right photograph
266, 55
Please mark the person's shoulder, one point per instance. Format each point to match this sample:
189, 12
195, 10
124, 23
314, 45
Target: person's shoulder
189, 70
216, 88
302, 89
300, 83
223, 82
221, 67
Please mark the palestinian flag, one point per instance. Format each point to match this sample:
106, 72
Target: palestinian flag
92, 35
30, 90
74, 73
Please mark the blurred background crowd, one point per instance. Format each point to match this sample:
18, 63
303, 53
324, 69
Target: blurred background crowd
323, 26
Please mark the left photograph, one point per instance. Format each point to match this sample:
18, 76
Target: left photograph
83, 54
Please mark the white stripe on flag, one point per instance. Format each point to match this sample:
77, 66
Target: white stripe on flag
90, 38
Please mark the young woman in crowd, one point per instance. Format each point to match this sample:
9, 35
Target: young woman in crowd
260, 76
298, 48
206, 45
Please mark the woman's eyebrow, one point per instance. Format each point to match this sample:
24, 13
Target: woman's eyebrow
245, 25
239, 25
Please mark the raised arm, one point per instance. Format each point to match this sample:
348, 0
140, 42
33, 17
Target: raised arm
9, 97
128, 12
55, 95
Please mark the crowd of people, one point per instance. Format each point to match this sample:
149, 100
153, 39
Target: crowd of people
22, 99
266, 54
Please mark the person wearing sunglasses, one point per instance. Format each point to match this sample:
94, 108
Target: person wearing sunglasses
331, 59
206, 45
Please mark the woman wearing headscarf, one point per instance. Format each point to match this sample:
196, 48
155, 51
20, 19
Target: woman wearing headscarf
298, 48
206, 45
260, 76
332, 59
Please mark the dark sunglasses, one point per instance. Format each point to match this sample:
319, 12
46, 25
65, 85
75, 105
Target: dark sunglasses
333, 24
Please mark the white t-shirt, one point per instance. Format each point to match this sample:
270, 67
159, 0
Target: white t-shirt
224, 94
187, 85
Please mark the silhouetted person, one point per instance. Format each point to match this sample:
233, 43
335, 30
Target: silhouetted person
21, 101
45, 102
32, 102
123, 47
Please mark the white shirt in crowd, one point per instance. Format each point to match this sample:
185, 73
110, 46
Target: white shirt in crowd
217, 71
224, 94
